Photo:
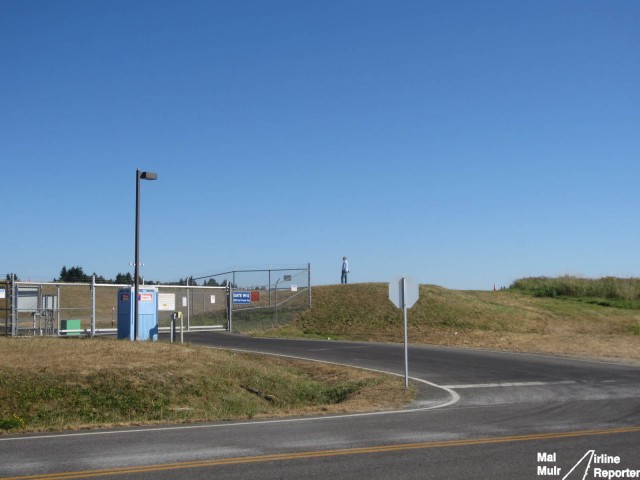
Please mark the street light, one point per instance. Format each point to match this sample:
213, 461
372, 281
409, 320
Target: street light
136, 283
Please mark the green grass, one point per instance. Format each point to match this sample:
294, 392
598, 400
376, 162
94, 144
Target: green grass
364, 312
50, 384
607, 291
517, 319
54, 384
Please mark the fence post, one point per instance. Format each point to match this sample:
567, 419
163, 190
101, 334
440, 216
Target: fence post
58, 309
229, 307
8, 284
7, 298
93, 306
309, 281
14, 306
188, 306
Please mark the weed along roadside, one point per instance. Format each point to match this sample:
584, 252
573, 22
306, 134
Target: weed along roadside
49, 384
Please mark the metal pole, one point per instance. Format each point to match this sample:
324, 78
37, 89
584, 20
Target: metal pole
230, 301
7, 303
39, 307
93, 305
188, 305
309, 281
406, 338
14, 306
58, 308
6, 311
136, 281
275, 320
136, 267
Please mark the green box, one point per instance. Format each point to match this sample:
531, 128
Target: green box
70, 325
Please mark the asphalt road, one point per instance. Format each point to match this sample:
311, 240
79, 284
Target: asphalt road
480, 415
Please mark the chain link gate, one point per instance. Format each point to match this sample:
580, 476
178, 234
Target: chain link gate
265, 298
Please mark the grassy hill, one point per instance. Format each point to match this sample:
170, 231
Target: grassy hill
513, 319
56, 384
49, 383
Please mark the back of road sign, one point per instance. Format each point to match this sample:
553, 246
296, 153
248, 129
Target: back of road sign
405, 287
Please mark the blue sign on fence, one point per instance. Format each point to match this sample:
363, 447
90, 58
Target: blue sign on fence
242, 298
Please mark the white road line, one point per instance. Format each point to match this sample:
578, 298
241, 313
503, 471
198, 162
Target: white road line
454, 398
508, 384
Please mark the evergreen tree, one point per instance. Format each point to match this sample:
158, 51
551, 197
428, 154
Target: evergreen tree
73, 275
124, 279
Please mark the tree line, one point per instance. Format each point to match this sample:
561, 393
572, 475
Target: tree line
77, 275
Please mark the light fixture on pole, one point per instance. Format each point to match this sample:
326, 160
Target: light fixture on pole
136, 282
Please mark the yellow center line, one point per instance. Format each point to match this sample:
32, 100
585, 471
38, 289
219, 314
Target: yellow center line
324, 453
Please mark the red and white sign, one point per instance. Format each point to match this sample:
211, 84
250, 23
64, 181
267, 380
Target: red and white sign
145, 297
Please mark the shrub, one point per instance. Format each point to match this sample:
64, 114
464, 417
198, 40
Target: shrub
610, 288
11, 423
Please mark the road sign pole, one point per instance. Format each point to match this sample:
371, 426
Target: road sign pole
404, 293
406, 336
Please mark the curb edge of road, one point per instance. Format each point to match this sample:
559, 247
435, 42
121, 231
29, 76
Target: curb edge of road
418, 405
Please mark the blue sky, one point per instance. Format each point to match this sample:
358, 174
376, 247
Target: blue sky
463, 143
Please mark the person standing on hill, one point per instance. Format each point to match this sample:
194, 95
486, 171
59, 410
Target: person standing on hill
345, 270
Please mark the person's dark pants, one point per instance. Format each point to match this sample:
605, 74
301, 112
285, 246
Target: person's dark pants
343, 279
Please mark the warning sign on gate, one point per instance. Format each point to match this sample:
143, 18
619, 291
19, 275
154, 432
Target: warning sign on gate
241, 298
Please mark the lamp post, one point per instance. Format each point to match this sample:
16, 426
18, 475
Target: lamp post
144, 176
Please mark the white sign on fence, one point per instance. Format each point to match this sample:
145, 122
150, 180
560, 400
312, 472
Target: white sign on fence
28, 298
167, 302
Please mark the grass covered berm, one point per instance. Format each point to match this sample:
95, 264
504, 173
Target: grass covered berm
514, 319
607, 291
56, 384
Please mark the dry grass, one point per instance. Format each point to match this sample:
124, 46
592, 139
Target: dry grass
503, 320
58, 384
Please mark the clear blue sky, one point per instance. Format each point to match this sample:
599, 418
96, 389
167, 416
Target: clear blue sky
464, 143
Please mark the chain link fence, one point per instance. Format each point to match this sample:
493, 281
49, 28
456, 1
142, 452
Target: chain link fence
40, 308
237, 300
264, 298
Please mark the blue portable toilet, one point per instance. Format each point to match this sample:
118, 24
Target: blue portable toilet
147, 314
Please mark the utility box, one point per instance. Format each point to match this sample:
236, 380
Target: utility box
147, 314
70, 325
